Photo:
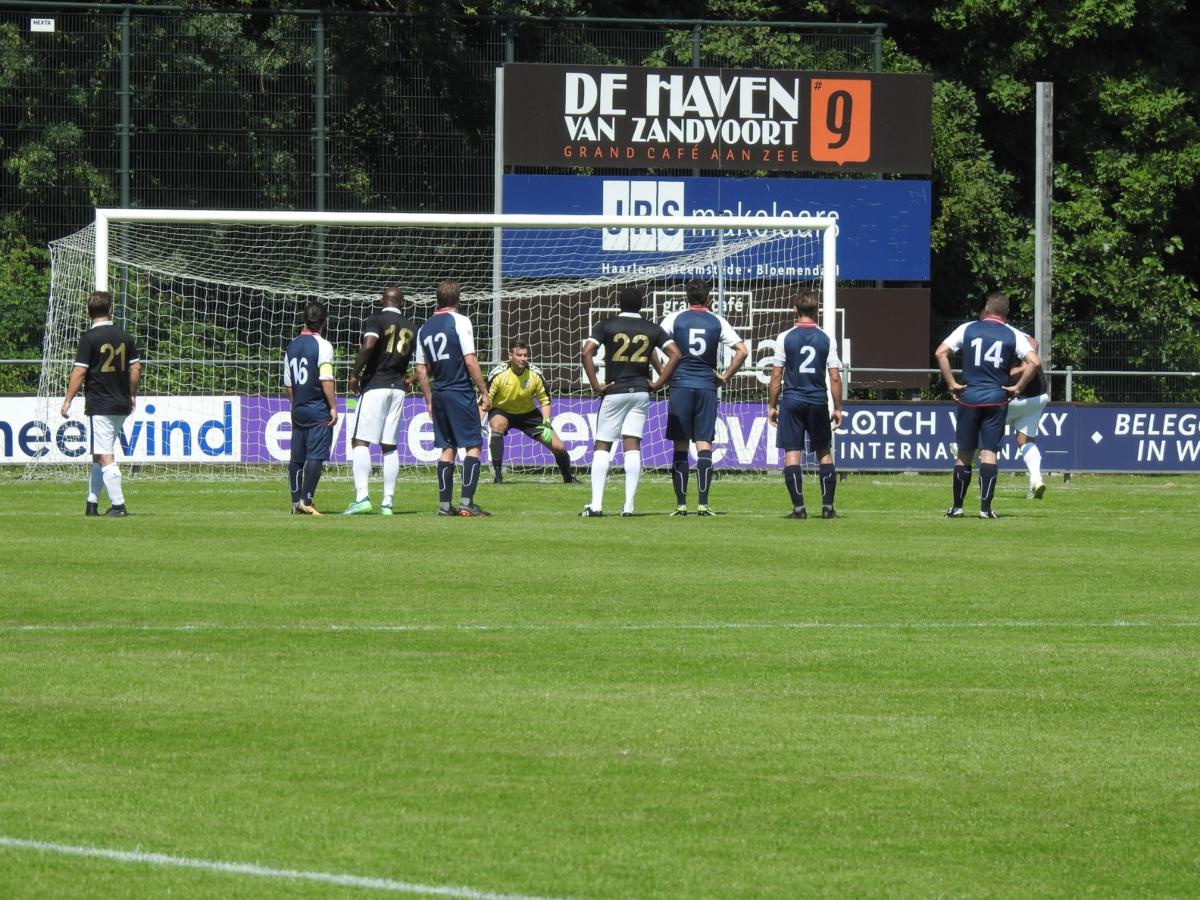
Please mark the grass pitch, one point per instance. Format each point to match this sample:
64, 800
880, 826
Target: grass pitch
890, 703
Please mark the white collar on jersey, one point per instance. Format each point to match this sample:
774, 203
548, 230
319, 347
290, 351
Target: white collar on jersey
99, 322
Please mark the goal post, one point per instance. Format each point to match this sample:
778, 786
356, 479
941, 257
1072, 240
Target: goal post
213, 297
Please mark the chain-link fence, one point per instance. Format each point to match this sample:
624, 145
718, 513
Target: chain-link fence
156, 106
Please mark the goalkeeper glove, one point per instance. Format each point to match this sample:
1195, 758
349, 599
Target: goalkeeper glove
546, 431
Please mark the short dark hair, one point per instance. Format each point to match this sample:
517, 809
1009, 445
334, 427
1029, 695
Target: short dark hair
807, 303
518, 345
392, 296
697, 292
631, 298
997, 304
448, 293
100, 303
315, 316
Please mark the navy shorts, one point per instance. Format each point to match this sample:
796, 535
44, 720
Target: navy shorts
692, 415
455, 420
980, 427
311, 442
796, 419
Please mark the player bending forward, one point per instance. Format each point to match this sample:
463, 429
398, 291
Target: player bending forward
803, 356
629, 342
520, 400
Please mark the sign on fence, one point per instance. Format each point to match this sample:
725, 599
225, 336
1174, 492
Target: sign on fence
874, 437
739, 119
882, 230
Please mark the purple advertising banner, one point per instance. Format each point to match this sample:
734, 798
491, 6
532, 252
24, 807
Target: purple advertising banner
873, 437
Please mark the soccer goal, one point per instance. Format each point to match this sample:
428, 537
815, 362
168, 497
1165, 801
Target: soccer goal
213, 298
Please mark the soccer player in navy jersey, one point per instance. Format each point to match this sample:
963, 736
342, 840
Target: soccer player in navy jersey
990, 349
629, 342
377, 378
1024, 417
446, 354
692, 406
108, 370
804, 356
308, 378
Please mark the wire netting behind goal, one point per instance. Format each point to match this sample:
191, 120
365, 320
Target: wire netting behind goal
213, 305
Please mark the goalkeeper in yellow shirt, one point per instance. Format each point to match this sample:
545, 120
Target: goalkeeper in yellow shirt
520, 400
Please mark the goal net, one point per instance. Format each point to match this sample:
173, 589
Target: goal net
213, 298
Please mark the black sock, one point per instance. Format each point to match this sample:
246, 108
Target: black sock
563, 458
962, 481
470, 479
828, 483
793, 477
445, 473
987, 485
679, 476
703, 474
312, 474
496, 452
296, 480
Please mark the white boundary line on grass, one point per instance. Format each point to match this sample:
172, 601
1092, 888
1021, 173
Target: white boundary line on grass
366, 628
185, 862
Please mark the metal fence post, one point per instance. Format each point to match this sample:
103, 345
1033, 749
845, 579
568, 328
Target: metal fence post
1070, 383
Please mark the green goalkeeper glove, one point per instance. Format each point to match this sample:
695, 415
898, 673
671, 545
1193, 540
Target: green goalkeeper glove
546, 431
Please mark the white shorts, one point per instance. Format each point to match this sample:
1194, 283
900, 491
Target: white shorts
622, 415
106, 431
1025, 413
378, 417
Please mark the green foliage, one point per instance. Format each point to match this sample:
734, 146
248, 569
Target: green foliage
24, 289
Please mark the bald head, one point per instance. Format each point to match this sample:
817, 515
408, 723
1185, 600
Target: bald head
391, 297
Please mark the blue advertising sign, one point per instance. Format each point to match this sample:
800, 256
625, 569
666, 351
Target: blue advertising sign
920, 437
882, 231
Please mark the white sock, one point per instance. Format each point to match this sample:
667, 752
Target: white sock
1033, 462
360, 457
112, 484
391, 468
633, 473
600, 460
95, 484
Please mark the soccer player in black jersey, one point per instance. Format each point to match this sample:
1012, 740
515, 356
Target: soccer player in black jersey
108, 370
629, 342
378, 379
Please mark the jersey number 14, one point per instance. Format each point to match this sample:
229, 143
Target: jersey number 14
994, 353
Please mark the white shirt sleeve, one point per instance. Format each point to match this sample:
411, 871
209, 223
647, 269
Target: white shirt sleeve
955, 339
668, 324
729, 337
466, 334
778, 359
324, 359
1023, 346
419, 354
287, 372
834, 361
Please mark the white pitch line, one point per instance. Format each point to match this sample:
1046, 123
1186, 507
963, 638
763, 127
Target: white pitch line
185, 862
565, 627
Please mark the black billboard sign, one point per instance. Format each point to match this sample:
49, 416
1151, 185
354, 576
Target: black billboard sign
745, 119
